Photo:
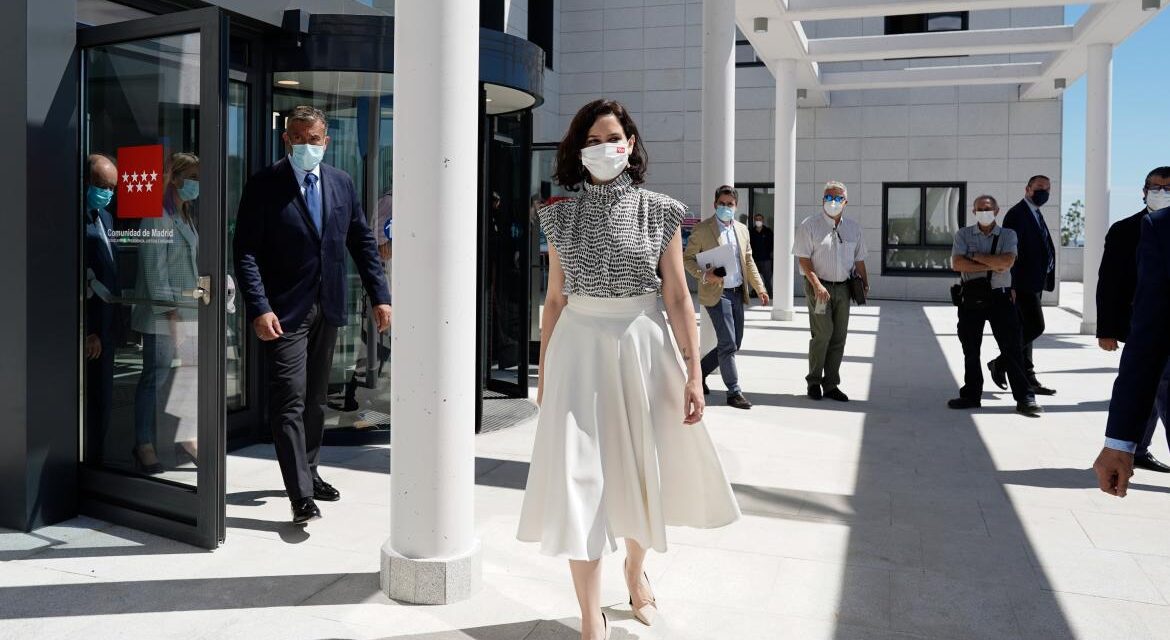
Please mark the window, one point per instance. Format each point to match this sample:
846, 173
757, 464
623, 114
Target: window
491, 14
919, 221
927, 22
540, 28
745, 53
756, 199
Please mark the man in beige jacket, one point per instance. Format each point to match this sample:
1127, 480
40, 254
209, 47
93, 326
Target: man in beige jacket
725, 296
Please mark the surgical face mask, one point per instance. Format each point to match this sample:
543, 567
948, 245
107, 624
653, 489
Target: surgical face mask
189, 190
725, 214
834, 208
1040, 197
985, 217
98, 198
306, 157
759, 224
1157, 200
606, 161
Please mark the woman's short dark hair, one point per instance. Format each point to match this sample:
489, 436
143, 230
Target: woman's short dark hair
570, 173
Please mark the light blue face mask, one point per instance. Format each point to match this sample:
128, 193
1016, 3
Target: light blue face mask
306, 157
98, 198
189, 190
726, 214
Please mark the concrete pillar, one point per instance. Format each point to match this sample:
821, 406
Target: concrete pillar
433, 556
783, 263
718, 100
1098, 149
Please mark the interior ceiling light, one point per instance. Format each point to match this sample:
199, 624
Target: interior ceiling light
289, 83
760, 25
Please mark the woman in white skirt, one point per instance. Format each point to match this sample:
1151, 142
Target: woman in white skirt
621, 450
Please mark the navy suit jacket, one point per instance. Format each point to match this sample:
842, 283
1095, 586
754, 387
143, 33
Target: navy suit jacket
1117, 277
284, 265
1030, 272
1146, 353
99, 315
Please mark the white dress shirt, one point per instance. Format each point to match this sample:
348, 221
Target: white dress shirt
727, 234
833, 249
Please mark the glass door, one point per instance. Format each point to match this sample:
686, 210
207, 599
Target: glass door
154, 95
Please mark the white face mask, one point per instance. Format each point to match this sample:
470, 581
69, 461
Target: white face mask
985, 218
606, 161
1157, 200
759, 224
834, 209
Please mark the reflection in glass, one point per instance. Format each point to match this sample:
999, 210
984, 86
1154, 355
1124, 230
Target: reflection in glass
903, 216
141, 115
237, 173
942, 214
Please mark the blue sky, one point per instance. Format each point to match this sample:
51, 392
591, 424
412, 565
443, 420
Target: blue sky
1141, 117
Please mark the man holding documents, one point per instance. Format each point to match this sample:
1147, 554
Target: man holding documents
719, 256
831, 250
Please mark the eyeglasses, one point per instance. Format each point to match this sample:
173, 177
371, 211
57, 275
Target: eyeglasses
831, 198
1164, 188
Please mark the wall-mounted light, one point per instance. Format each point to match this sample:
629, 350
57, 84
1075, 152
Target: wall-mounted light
288, 83
760, 25
1060, 83
801, 94
1151, 5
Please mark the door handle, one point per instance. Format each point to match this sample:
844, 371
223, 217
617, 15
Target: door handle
202, 290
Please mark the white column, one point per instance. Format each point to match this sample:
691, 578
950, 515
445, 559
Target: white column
718, 100
432, 555
785, 221
1098, 150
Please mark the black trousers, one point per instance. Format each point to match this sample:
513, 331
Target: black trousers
1005, 327
1031, 320
299, 364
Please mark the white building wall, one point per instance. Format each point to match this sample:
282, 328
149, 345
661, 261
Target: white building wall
647, 54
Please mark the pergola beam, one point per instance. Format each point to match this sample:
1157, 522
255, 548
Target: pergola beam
949, 44
1010, 73
837, 9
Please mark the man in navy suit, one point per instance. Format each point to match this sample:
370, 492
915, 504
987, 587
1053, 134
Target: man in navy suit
1115, 293
1033, 273
101, 265
1144, 359
297, 219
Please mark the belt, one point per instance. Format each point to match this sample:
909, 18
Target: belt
1007, 290
831, 282
735, 288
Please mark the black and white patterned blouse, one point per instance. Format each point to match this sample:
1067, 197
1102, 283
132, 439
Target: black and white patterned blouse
611, 237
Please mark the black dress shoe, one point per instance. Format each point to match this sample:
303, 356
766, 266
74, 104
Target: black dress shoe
738, 401
305, 510
324, 491
836, 394
814, 391
998, 375
964, 403
1040, 390
706, 389
1029, 408
1148, 462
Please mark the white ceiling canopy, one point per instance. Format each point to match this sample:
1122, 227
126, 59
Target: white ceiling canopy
916, 60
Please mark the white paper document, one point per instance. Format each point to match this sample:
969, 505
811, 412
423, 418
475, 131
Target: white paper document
721, 256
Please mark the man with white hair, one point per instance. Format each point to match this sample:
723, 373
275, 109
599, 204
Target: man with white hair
831, 249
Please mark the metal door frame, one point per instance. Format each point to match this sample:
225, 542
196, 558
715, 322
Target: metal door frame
195, 515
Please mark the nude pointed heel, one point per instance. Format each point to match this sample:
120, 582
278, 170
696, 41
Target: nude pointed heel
645, 612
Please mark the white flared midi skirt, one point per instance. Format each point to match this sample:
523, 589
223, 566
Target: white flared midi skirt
612, 457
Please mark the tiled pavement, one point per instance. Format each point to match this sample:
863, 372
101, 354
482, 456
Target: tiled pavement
888, 517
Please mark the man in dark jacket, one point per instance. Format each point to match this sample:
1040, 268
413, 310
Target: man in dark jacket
763, 242
1115, 291
1144, 359
1033, 273
298, 219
